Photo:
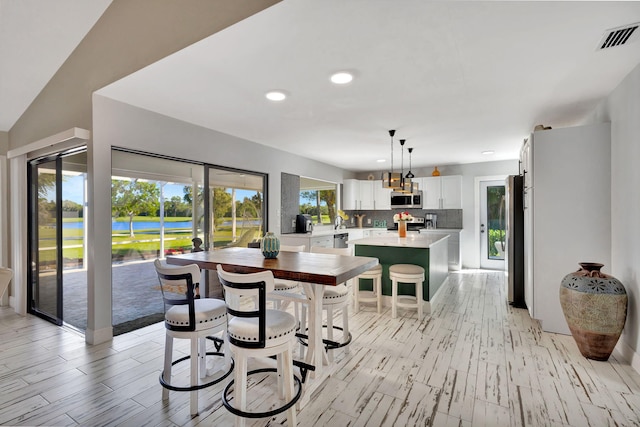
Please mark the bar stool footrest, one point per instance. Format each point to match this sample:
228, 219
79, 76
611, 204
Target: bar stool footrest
168, 386
304, 367
328, 344
245, 414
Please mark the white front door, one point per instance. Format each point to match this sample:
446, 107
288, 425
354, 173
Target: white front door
492, 224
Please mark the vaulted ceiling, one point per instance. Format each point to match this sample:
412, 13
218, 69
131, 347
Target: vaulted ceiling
452, 78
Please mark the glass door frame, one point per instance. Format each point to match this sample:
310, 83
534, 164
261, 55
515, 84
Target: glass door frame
483, 227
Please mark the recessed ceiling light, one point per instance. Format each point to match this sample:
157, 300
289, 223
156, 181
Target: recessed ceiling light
488, 152
381, 160
342, 78
276, 95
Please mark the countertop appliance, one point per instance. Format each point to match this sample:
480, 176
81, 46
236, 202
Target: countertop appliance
303, 223
406, 200
431, 220
340, 240
514, 237
414, 225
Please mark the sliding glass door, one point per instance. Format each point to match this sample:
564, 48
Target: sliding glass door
57, 207
236, 206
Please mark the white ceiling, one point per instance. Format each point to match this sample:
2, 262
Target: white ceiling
453, 78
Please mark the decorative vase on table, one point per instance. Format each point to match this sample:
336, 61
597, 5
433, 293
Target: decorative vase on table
402, 229
401, 218
270, 245
595, 307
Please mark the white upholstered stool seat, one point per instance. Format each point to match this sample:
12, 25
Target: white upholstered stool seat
280, 326
209, 313
406, 273
335, 294
375, 294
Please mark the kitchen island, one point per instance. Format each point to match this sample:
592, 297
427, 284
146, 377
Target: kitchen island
426, 250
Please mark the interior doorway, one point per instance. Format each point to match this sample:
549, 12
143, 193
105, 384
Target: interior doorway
492, 224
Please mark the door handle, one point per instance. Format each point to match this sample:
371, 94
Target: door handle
482, 228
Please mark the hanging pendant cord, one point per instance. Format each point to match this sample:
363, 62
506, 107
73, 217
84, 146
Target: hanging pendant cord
391, 133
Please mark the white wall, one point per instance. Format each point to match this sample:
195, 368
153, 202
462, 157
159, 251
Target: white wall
122, 125
622, 109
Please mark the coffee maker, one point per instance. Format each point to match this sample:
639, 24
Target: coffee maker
303, 223
431, 220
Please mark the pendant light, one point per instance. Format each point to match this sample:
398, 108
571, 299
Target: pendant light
392, 179
405, 182
410, 175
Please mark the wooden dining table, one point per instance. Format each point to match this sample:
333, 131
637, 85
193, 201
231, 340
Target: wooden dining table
313, 270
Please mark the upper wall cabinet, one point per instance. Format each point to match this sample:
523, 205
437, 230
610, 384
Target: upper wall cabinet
382, 196
365, 195
442, 192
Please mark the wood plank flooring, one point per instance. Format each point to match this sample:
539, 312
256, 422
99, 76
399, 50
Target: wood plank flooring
475, 361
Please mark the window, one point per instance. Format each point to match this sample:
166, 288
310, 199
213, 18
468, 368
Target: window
318, 199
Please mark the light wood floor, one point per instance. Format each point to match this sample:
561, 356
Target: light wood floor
474, 362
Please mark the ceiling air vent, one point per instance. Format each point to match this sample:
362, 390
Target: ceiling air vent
619, 36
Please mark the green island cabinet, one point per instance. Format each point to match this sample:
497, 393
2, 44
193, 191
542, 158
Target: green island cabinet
428, 251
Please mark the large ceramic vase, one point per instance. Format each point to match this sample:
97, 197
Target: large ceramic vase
270, 245
595, 306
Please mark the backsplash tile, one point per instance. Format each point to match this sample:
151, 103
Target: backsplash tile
447, 218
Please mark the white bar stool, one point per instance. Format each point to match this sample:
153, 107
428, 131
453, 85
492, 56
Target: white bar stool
406, 273
375, 295
196, 320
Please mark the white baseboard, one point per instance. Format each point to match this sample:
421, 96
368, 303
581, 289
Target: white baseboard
98, 336
626, 353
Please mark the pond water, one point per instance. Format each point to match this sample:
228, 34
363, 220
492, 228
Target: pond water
144, 225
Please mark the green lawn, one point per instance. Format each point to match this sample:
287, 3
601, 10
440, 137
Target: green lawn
146, 242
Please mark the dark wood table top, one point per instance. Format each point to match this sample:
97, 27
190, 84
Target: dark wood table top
326, 269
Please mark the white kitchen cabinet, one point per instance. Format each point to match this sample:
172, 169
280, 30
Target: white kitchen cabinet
365, 195
308, 240
350, 194
442, 192
567, 215
382, 196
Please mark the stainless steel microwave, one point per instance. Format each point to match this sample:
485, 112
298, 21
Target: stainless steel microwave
406, 200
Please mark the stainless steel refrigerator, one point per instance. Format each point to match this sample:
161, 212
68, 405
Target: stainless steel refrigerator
514, 231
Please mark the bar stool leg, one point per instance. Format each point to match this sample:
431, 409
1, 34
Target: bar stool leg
356, 291
240, 386
419, 299
330, 329
377, 284
345, 327
394, 298
281, 387
194, 374
168, 354
287, 361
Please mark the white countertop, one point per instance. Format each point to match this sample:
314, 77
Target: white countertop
442, 230
413, 240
